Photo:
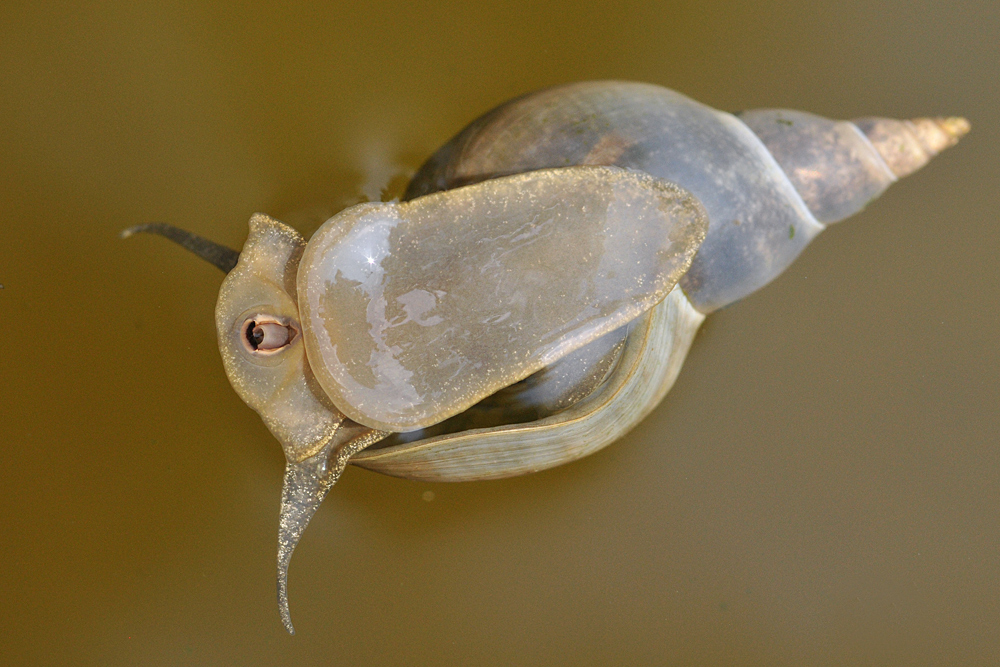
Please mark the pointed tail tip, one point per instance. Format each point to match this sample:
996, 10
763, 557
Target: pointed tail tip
286, 614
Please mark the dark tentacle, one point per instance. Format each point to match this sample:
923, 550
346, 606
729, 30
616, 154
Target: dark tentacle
217, 255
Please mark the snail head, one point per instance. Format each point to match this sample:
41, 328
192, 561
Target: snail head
261, 343
260, 338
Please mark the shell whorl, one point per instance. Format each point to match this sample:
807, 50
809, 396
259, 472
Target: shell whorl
838, 167
831, 164
907, 145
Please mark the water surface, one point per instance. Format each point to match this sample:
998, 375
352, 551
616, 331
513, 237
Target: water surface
820, 487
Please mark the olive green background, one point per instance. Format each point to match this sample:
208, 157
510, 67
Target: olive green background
821, 487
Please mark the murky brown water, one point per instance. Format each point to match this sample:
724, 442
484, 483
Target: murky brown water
821, 486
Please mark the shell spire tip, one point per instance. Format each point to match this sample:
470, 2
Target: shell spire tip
955, 127
907, 145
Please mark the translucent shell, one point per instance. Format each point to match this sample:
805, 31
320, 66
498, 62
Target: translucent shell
769, 178
413, 312
758, 223
907, 145
831, 163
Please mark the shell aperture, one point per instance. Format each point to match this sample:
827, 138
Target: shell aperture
414, 311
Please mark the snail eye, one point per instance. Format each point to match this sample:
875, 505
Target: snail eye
264, 336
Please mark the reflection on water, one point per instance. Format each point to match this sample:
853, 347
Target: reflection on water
819, 487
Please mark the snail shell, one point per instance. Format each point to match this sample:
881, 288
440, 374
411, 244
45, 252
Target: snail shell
770, 179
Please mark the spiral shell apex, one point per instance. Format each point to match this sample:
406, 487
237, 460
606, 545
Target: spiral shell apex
907, 145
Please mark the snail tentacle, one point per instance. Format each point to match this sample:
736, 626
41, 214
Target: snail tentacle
217, 255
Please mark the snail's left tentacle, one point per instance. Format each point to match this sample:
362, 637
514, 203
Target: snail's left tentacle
214, 253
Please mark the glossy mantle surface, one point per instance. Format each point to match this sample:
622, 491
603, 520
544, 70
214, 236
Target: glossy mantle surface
412, 312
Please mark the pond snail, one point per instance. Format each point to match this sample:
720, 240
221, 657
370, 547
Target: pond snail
535, 294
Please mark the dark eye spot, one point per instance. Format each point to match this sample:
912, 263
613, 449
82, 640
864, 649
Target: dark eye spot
255, 335
265, 335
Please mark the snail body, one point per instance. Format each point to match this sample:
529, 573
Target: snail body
534, 296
